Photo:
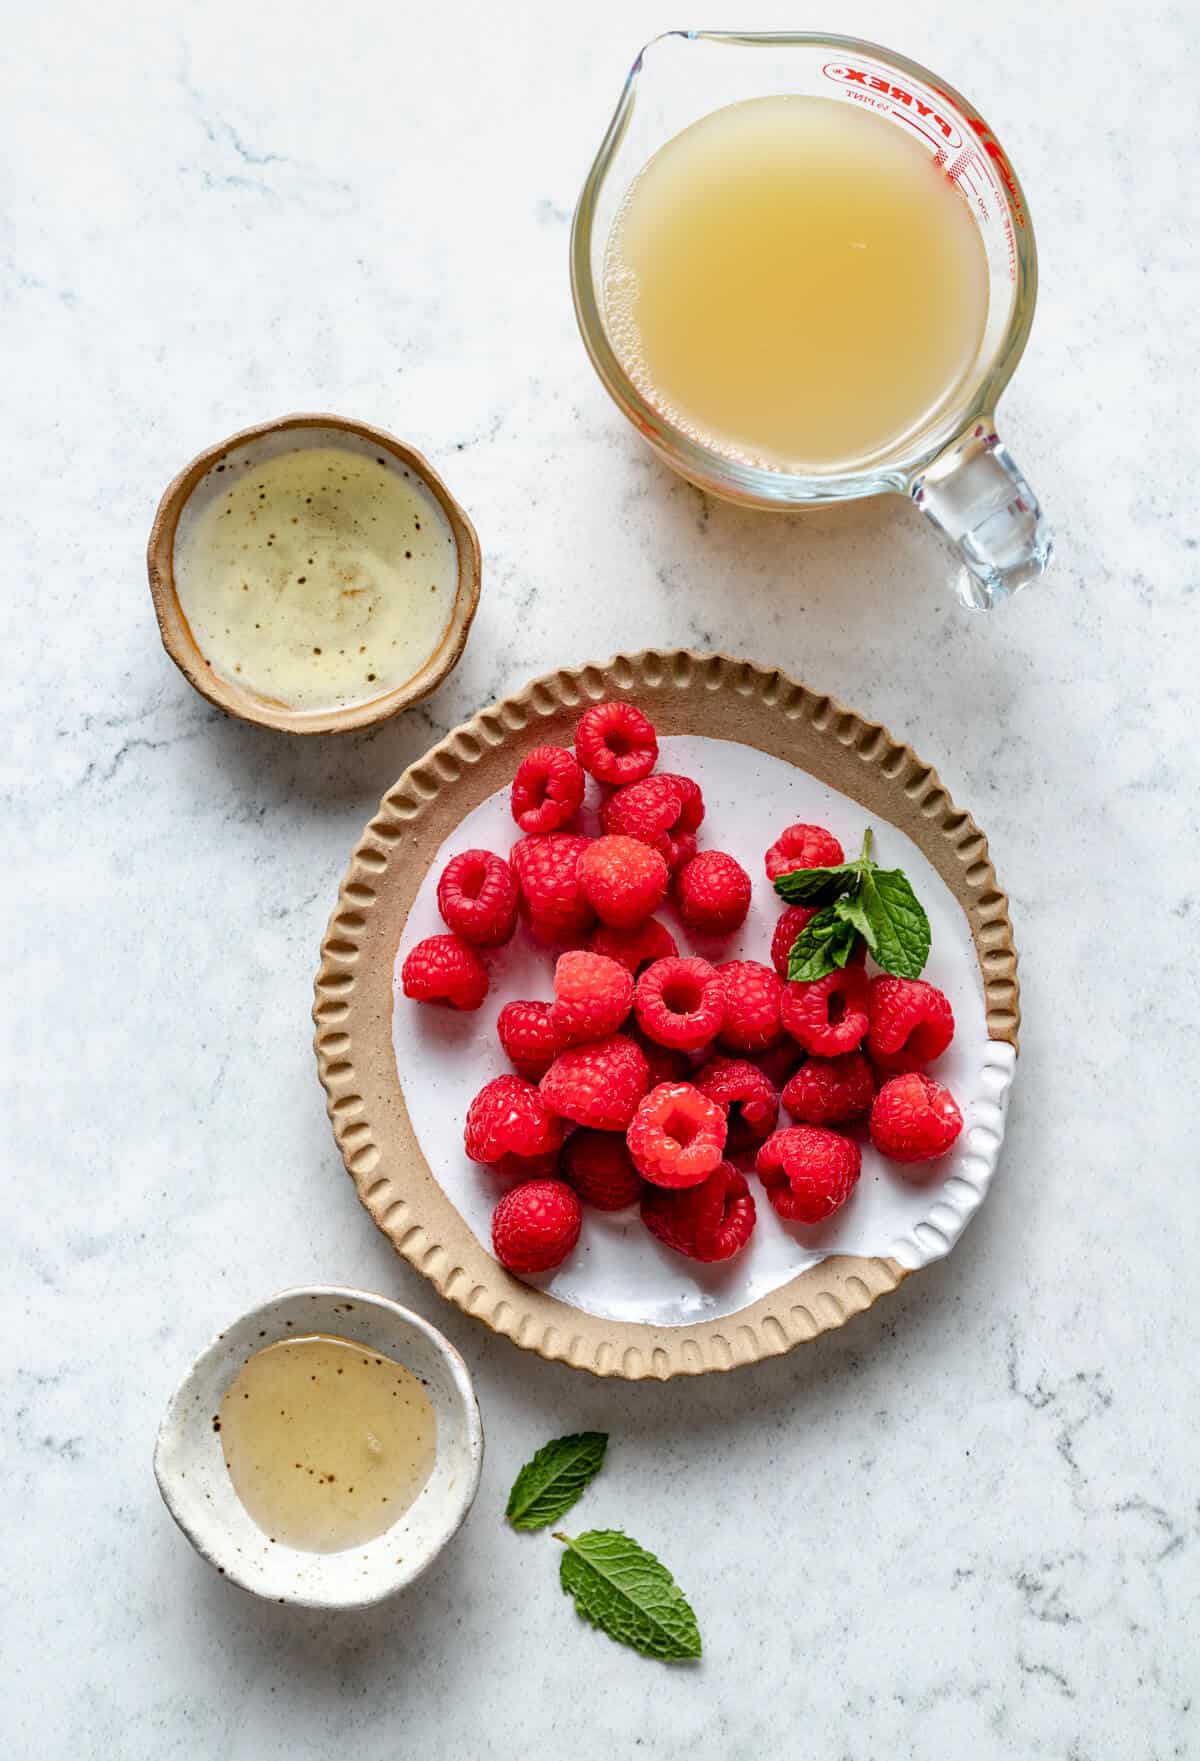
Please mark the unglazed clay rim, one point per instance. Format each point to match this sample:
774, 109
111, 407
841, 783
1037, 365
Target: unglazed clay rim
186, 652
682, 692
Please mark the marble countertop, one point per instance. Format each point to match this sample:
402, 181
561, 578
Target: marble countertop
966, 1524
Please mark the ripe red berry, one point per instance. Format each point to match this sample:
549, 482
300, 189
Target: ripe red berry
914, 1118
753, 994
600, 1168
709, 1222
529, 1037
803, 846
592, 996
829, 1091
809, 1173
547, 789
477, 897
793, 920
508, 1117
546, 870
443, 969
677, 1135
680, 1003
713, 893
912, 1023
828, 1016
616, 743
598, 1084
535, 1226
634, 948
691, 803
648, 810
623, 880
747, 1095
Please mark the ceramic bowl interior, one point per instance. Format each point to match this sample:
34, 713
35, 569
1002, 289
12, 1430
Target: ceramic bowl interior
288, 434
195, 1484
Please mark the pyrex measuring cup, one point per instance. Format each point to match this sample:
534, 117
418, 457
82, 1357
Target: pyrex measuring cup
954, 467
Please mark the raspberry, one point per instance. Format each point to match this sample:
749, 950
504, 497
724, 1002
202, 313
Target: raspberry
663, 1063
752, 997
912, 1023
535, 1226
600, 1168
635, 948
616, 743
592, 997
443, 969
477, 897
794, 919
648, 810
598, 1084
828, 1016
529, 1037
828, 1091
712, 1221
676, 1135
623, 880
914, 1118
680, 1003
550, 890
803, 846
508, 1117
808, 1173
713, 893
547, 789
748, 1097
691, 803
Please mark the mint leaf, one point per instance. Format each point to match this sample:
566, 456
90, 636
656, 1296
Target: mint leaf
628, 1594
823, 945
812, 886
898, 922
554, 1478
852, 910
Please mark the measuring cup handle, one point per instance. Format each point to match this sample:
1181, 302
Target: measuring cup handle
975, 493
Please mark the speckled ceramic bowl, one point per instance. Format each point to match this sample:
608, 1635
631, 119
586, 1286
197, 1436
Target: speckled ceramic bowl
199, 1494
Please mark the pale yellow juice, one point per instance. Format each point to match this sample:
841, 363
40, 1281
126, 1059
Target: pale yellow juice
793, 282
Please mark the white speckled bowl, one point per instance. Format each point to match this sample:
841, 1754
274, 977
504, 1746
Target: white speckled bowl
199, 1494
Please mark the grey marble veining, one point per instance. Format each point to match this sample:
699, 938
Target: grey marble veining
967, 1524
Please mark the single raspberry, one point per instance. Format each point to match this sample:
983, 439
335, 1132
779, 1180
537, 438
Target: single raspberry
752, 997
803, 846
623, 880
794, 919
547, 789
529, 1037
550, 892
635, 948
477, 897
508, 1117
828, 1016
663, 1063
598, 1084
713, 893
680, 1003
808, 1173
648, 810
443, 969
677, 1135
914, 1118
912, 1023
748, 1097
535, 1226
600, 1168
616, 743
828, 1091
691, 803
592, 996
712, 1221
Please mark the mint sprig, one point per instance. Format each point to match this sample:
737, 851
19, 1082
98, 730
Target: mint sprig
628, 1594
551, 1481
857, 899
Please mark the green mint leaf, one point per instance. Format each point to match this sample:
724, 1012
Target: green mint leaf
852, 910
898, 920
822, 946
554, 1478
628, 1594
813, 886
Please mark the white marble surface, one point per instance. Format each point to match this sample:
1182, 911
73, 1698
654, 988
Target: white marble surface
968, 1523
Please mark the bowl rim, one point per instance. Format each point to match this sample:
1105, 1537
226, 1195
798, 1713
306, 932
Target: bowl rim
189, 657
466, 1487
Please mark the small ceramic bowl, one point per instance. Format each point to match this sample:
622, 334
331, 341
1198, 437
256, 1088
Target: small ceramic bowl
194, 1481
291, 433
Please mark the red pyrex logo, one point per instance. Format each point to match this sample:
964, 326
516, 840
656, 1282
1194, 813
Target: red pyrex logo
896, 95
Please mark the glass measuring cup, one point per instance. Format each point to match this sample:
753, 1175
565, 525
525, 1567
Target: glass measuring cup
954, 466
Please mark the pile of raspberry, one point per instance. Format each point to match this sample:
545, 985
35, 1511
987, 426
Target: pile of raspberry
655, 1077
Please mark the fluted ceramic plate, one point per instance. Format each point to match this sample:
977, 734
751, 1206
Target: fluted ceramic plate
766, 751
